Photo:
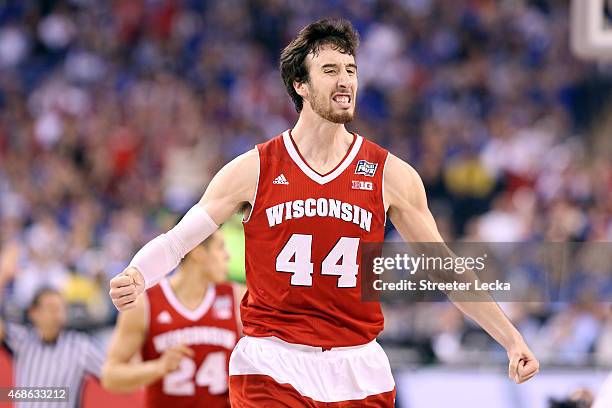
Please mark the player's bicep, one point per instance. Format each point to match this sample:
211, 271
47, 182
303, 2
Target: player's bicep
408, 210
129, 335
231, 187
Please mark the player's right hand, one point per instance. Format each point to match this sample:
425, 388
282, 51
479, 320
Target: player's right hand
126, 287
171, 359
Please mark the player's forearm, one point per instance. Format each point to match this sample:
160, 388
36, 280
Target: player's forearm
162, 254
127, 377
481, 307
419, 228
492, 319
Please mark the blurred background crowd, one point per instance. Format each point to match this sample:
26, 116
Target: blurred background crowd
114, 115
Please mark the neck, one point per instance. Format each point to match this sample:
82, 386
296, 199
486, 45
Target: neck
48, 335
318, 140
189, 284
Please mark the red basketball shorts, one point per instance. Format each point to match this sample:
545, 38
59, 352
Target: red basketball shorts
268, 372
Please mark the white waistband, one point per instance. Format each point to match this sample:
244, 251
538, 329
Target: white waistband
307, 348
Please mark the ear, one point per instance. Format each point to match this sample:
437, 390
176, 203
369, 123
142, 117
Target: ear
301, 88
198, 252
31, 314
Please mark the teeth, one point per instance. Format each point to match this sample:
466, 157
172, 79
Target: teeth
342, 98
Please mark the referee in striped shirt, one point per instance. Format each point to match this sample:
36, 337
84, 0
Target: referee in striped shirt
46, 355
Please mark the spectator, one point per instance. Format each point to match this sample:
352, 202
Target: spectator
105, 105
46, 355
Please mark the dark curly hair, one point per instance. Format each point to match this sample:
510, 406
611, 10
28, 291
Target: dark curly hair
339, 33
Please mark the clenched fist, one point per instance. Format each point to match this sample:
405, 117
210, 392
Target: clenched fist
126, 287
171, 359
523, 364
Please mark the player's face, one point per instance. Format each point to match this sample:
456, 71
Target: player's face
50, 314
217, 258
332, 84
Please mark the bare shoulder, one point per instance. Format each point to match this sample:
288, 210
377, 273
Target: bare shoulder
397, 168
239, 176
234, 185
241, 173
402, 182
246, 161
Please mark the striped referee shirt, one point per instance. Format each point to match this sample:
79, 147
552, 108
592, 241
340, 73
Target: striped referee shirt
62, 363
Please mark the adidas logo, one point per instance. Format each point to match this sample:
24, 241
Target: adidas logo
280, 180
164, 317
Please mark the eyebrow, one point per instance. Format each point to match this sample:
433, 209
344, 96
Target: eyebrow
351, 65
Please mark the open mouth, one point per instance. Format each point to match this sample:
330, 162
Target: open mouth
343, 100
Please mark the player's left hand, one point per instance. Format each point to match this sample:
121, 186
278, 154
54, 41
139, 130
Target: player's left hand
126, 287
523, 364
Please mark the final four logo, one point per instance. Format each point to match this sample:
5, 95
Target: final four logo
222, 308
366, 168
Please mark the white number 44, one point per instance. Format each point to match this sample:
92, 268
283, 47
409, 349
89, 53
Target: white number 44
299, 247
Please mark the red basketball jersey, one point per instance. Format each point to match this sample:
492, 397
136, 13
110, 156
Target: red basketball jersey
304, 240
211, 331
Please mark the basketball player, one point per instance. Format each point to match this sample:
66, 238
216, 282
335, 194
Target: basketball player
316, 193
185, 329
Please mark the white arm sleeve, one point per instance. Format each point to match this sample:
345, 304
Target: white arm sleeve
162, 254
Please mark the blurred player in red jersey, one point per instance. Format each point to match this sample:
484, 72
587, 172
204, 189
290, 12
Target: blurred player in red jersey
185, 329
316, 193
